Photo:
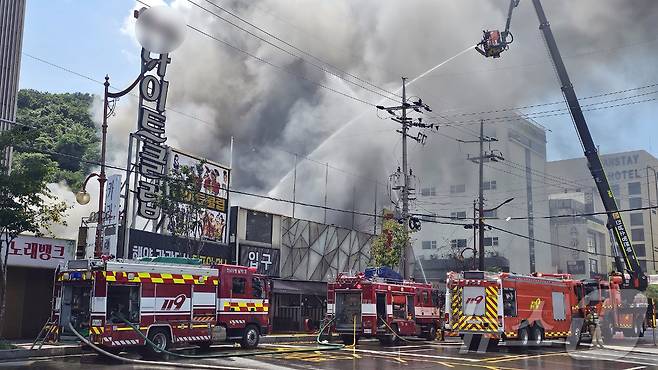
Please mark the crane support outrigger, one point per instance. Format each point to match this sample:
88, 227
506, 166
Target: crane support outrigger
492, 45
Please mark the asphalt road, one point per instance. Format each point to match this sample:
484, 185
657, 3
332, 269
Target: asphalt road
619, 354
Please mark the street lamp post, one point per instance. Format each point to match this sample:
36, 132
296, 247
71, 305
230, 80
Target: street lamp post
159, 30
82, 197
481, 229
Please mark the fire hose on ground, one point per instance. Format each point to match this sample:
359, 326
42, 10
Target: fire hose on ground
325, 346
395, 334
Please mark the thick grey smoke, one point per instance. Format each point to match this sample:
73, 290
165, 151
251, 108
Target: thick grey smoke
607, 46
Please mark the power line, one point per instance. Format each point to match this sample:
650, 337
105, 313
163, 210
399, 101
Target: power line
295, 47
280, 68
556, 102
548, 243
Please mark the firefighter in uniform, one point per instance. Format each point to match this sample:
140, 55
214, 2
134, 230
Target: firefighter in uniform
595, 329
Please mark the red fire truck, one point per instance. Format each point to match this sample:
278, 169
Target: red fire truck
630, 315
376, 307
508, 306
171, 303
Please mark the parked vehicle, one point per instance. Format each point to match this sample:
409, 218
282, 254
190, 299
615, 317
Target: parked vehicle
170, 301
383, 307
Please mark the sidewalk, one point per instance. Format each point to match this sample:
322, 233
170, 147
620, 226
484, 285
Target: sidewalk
47, 350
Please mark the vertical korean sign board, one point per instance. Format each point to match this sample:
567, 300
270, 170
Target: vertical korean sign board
152, 153
111, 215
209, 198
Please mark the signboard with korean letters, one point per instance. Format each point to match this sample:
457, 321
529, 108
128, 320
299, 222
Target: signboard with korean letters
111, 215
210, 196
32, 251
265, 259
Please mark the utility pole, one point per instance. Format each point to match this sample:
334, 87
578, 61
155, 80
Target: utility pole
374, 213
493, 156
294, 187
475, 226
407, 260
326, 189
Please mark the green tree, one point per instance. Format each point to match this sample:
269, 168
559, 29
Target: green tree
388, 246
26, 203
59, 123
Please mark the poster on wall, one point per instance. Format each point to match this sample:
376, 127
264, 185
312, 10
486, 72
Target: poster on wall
206, 207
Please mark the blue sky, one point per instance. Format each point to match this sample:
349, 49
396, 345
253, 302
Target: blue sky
82, 35
85, 36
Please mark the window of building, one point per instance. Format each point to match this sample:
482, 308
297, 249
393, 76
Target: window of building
429, 244
428, 192
259, 227
615, 190
634, 188
643, 264
491, 214
637, 235
640, 250
458, 243
489, 185
491, 242
591, 243
461, 188
637, 219
459, 215
634, 202
593, 266
239, 285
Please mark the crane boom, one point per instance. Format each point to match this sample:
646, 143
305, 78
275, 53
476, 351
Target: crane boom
615, 223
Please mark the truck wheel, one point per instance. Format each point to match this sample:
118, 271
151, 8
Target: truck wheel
348, 339
537, 335
524, 336
161, 342
574, 338
250, 337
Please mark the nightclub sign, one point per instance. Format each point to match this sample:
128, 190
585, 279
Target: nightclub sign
152, 156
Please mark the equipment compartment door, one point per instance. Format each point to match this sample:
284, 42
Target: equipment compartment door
204, 300
348, 309
474, 301
76, 301
381, 307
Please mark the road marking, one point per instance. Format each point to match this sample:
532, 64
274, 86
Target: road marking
419, 355
636, 368
612, 358
417, 350
524, 357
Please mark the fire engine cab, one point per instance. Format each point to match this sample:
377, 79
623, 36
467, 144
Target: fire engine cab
379, 304
170, 300
525, 308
